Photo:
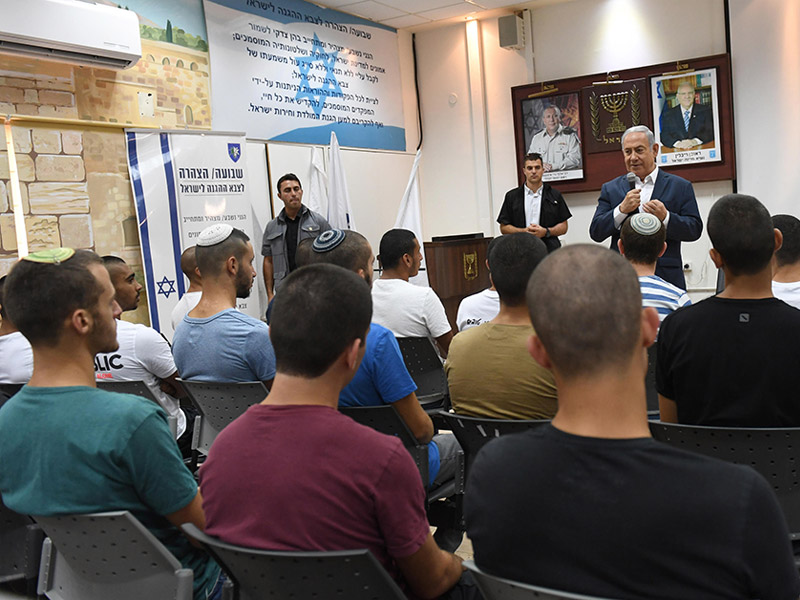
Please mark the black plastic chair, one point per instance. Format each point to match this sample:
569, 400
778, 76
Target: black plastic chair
219, 404
20, 546
256, 574
773, 452
108, 555
136, 388
473, 433
425, 368
385, 419
498, 588
650, 382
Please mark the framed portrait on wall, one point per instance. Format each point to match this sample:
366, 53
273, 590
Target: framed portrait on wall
551, 127
686, 117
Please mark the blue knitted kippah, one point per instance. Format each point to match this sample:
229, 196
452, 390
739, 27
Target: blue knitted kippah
328, 240
645, 223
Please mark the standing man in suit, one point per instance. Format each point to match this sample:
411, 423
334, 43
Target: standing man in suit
688, 124
535, 207
648, 189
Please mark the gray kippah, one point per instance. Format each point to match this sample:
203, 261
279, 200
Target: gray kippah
328, 240
645, 223
214, 234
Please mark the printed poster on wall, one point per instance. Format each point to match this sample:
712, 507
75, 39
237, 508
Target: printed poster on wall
182, 183
290, 71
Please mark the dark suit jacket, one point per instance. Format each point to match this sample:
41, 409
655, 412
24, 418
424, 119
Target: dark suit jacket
554, 211
684, 225
701, 125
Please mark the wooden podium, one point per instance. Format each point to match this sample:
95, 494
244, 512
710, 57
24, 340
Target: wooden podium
457, 268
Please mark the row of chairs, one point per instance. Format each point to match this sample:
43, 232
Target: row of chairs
769, 451
112, 555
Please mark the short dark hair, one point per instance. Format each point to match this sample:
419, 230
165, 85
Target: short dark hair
109, 260
512, 260
395, 243
639, 248
303, 252
533, 156
2, 306
789, 252
210, 259
189, 263
336, 308
586, 307
351, 254
288, 177
39, 297
741, 231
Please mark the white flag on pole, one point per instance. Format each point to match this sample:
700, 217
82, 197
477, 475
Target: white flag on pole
409, 217
339, 214
318, 190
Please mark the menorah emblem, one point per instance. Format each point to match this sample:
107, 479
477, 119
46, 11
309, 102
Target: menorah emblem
614, 103
470, 265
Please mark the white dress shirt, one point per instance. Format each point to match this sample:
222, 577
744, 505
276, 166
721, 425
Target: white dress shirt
646, 194
533, 205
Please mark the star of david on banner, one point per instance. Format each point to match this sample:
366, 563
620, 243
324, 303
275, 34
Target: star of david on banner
330, 86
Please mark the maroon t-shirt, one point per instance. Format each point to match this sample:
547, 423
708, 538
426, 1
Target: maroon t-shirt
309, 478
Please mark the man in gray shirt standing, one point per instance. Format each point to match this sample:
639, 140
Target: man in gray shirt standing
282, 235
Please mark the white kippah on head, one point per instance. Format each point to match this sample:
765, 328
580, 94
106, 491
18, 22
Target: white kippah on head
214, 234
645, 224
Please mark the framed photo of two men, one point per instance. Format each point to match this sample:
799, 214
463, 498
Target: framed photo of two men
686, 117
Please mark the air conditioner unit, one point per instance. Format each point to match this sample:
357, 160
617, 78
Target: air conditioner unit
71, 31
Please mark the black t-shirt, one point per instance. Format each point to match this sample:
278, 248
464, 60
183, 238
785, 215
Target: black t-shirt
627, 519
732, 362
291, 240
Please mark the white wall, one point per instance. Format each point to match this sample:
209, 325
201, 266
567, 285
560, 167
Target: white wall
765, 55
569, 39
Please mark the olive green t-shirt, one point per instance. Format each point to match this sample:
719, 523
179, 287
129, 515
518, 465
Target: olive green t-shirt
491, 374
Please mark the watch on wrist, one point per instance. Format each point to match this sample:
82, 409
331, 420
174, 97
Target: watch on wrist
547, 232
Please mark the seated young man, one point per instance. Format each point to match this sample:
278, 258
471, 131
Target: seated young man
591, 504
786, 263
383, 377
67, 447
643, 238
16, 356
293, 473
489, 371
732, 359
407, 310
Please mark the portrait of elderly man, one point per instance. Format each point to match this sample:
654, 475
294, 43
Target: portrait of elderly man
559, 146
687, 124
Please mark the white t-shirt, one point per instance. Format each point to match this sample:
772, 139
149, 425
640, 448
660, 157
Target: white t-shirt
788, 292
478, 308
408, 310
16, 358
187, 302
143, 355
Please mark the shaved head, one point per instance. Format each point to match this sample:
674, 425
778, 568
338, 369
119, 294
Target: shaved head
586, 308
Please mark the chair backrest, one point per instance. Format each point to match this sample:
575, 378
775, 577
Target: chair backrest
137, 388
385, 419
425, 368
650, 379
256, 574
473, 433
219, 404
20, 545
9, 389
770, 451
108, 555
497, 588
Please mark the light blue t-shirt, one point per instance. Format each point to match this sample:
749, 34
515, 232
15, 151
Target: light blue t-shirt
78, 450
227, 347
383, 378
